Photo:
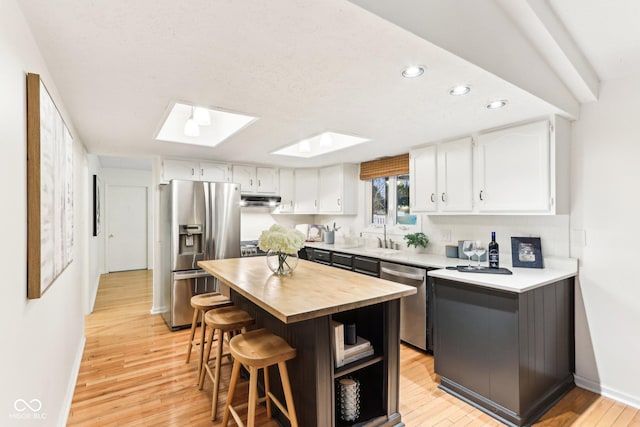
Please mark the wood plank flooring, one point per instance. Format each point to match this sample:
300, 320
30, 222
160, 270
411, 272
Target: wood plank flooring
133, 373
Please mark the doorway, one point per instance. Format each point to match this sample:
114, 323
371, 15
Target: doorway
127, 216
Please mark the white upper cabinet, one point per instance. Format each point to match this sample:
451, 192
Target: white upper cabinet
423, 175
306, 191
337, 191
194, 171
287, 189
267, 180
513, 170
216, 172
455, 174
254, 180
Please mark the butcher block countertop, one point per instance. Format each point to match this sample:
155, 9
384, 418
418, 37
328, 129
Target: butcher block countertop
312, 290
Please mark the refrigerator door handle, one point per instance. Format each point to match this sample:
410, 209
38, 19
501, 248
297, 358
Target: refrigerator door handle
184, 275
207, 220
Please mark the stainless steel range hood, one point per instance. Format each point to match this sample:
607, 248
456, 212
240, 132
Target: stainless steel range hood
260, 201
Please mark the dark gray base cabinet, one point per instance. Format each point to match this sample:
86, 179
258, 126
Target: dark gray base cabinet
509, 354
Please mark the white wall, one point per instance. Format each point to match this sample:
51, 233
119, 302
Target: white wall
605, 205
43, 338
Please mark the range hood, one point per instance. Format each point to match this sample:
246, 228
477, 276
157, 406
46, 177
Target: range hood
260, 201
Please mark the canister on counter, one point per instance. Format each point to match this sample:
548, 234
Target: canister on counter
451, 251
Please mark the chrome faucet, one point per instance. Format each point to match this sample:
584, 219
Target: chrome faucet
384, 242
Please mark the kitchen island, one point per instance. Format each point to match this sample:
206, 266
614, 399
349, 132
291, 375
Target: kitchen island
505, 344
300, 308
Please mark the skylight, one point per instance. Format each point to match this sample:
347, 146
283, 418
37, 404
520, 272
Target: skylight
222, 125
318, 145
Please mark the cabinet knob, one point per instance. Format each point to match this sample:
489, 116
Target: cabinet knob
338, 201
259, 184
193, 172
251, 182
443, 197
481, 196
433, 197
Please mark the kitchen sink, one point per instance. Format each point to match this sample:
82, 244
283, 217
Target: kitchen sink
382, 251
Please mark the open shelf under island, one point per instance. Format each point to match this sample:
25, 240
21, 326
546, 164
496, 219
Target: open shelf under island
300, 308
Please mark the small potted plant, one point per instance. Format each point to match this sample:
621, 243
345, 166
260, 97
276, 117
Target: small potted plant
419, 241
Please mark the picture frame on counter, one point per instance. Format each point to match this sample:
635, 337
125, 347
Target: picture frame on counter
526, 252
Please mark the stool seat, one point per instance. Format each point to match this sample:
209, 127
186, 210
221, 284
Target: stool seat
206, 302
228, 318
261, 348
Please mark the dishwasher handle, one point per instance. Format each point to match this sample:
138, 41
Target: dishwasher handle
418, 277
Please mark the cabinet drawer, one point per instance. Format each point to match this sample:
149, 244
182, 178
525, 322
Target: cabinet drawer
365, 265
320, 255
342, 260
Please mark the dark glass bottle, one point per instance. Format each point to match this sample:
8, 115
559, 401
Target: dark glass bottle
494, 252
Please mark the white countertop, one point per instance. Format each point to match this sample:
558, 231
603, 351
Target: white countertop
522, 279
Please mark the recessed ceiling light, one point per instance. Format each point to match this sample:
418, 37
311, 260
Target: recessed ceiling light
181, 125
459, 90
413, 71
318, 145
497, 104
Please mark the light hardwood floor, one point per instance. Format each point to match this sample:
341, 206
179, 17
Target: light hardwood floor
133, 373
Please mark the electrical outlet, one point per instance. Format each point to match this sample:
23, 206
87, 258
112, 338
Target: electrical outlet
445, 235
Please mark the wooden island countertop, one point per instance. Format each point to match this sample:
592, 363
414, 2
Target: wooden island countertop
312, 290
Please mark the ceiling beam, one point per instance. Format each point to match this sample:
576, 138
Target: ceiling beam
550, 37
482, 33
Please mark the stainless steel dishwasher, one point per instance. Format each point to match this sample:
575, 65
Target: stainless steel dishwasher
413, 309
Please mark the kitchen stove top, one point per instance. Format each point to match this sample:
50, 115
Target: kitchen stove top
250, 248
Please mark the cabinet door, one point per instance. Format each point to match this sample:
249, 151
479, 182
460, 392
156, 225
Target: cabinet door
422, 170
513, 169
246, 177
267, 180
216, 172
287, 188
180, 169
330, 188
306, 191
455, 175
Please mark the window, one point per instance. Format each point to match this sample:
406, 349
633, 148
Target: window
390, 203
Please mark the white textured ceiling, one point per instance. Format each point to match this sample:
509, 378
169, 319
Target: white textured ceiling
302, 67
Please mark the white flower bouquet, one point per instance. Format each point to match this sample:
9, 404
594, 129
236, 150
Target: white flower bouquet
282, 245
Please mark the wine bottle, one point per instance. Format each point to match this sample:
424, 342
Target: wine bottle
494, 252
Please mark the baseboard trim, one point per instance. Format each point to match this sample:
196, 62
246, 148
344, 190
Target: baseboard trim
157, 310
71, 386
609, 392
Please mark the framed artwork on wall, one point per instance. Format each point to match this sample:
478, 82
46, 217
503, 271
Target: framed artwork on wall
96, 205
49, 190
526, 252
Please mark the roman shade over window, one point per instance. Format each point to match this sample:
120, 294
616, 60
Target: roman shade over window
389, 166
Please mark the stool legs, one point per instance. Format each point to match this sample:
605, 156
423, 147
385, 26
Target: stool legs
288, 396
253, 396
207, 352
235, 374
194, 325
216, 375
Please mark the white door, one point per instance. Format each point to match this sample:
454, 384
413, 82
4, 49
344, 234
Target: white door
306, 191
180, 169
215, 172
287, 188
126, 211
267, 180
455, 177
330, 189
424, 194
246, 177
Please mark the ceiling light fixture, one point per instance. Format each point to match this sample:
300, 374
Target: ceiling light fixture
191, 128
413, 71
493, 105
459, 90
202, 116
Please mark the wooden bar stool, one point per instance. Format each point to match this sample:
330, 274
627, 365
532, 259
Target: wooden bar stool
201, 304
229, 320
260, 349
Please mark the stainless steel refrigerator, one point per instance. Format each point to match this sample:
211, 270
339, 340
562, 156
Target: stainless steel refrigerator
198, 221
